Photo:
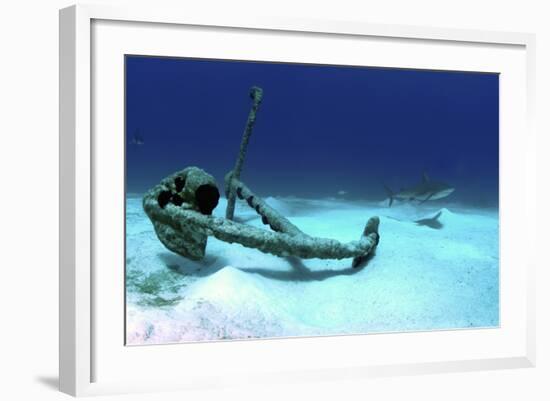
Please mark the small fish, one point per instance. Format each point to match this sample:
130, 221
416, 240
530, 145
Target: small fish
137, 139
425, 191
342, 192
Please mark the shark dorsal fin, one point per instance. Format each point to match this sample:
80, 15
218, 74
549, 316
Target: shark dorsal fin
425, 177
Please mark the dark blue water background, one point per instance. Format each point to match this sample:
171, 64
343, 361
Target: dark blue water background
320, 129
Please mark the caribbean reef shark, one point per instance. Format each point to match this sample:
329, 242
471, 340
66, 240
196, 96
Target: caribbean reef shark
425, 191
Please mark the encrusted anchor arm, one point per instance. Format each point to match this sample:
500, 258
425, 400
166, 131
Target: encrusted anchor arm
182, 220
370, 231
275, 220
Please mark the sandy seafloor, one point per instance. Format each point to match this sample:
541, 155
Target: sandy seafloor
421, 278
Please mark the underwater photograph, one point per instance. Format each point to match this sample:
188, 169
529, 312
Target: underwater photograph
274, 199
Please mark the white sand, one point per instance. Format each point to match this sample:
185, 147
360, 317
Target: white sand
421, 278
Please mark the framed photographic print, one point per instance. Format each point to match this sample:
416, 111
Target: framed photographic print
235, 192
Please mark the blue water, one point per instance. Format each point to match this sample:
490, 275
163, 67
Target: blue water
320, 129
327, 141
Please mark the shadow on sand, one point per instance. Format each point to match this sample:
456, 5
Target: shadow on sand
301, 272
202, 268
298, 272
432, 222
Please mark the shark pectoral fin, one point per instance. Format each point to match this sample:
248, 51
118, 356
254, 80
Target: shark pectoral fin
427, 199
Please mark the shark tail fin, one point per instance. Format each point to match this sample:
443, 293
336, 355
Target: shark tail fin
390, 194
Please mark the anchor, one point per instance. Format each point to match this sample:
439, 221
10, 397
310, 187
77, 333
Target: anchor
181, 205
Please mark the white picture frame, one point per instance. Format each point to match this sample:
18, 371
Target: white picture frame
79, 163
